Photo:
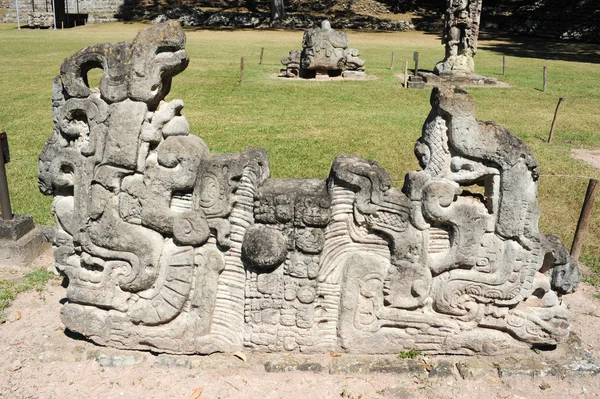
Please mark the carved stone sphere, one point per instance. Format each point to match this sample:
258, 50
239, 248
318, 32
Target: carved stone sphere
264, 248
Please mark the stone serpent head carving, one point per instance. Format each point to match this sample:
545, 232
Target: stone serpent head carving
172, 248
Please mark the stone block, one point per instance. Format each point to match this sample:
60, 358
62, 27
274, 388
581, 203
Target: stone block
170, 248
442, 369
21, 241
170, 361
353, 365
16, 228
354, 74
121, 359
292, 364
528, 367
415, 82
476, 369
325, 54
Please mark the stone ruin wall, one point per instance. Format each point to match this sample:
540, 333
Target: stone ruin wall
171, 248
97, 10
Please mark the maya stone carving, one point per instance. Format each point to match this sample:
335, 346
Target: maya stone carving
324, 52
461, 30
172, 248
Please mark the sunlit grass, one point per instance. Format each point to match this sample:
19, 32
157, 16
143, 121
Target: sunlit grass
34, 280
304, 125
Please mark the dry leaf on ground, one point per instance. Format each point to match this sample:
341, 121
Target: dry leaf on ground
197, 392
240, 355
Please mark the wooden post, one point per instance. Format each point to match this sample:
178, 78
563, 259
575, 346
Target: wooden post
85, 22
392, 66
242, 70
62, 25
584, 219
545, 77
406, 74
560, 100
503, 65
262, 51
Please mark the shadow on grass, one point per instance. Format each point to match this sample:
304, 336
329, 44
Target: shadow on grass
534, 47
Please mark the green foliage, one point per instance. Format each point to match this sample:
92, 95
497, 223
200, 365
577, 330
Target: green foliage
34, 281
410, 354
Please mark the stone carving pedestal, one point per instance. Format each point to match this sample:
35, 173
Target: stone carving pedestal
20, 241
171, 248
325, 53
461, 30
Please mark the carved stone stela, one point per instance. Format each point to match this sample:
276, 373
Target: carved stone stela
461, 30
169, 247
325, 52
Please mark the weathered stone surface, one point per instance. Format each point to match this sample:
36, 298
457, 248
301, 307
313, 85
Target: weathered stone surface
476, 369
20, 241
366, 366
16, 228
415, 82
40, 20
119, 360
325, 52
442, 369
172, 361
171, 248
528, 367
291, 364
461, 30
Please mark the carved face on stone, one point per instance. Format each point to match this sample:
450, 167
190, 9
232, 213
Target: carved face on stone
157, 56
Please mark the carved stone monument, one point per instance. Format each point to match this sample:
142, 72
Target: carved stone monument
461, 29
171, 248
36, 20
324, 52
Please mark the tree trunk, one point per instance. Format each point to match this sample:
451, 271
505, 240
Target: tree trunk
277, 10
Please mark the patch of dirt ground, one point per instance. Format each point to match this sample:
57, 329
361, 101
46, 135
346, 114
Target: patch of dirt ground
38, 359
590, 156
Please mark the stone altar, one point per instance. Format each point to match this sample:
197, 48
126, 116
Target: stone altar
324, 52
461, 30
36, 20
170, 248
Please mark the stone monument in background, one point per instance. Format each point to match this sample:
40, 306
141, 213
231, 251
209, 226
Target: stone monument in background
461, 29
325, 52
170, 248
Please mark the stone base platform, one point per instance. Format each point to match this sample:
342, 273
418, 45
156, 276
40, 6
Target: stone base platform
346, 75
20, 241
432, 79
570, 359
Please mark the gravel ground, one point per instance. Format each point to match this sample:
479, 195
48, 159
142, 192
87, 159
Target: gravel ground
38, 359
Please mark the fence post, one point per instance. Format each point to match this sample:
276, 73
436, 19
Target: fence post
584, 219
242, 70
560, 100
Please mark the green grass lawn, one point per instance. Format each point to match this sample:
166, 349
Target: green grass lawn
304, 125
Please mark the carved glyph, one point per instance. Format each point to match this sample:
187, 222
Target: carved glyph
169, 247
